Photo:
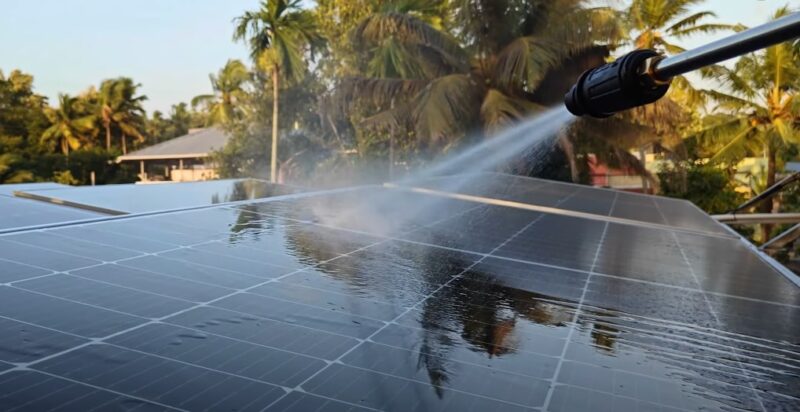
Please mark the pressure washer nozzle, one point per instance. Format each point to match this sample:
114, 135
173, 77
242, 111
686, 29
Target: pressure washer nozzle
624, 84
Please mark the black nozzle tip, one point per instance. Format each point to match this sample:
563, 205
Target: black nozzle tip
614, 87
573, 103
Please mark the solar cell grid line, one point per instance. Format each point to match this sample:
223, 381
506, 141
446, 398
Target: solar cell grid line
549, 397
153, 321
714, 314
393, 321
107, 397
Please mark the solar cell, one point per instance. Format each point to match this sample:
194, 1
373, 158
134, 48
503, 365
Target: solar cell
357, 300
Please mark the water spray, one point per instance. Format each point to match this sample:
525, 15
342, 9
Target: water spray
643, 76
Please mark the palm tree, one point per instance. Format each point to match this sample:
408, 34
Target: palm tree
759, 113
122, 110
656, 24
225, 105
280, 35
70, 129
509, 59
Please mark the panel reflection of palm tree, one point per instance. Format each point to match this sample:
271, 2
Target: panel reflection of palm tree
475, 312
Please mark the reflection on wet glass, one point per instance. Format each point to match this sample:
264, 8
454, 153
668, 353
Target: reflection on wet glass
514, 332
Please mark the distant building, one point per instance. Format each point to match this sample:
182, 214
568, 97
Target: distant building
182, 159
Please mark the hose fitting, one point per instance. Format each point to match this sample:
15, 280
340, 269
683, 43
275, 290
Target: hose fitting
624, 84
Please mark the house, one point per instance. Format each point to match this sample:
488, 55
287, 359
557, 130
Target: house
182, 159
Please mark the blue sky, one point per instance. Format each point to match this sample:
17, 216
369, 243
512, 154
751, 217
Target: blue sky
169, 46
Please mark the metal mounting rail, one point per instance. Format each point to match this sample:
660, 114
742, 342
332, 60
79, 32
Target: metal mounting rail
757, 218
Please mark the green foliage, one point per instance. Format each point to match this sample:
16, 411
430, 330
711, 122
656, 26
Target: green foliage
72, 126
710, 188
65, 178
228, 103
121, 111
278, 34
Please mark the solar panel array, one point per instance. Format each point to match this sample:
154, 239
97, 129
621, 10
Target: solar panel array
380, 299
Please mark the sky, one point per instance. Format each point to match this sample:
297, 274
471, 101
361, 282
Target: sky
170, 46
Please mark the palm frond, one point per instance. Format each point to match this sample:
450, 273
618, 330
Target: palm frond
447, 108
730, 102
524, 63
689, 21
735, 149
499, 110
202, 99
702, 28
378, 92
404, 28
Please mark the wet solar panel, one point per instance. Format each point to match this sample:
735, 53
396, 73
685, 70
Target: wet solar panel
380, 299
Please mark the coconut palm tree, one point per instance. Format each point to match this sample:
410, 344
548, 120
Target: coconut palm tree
226, 104
507, 59
758, 112
657, 24
70, 128
280, 35
122, 110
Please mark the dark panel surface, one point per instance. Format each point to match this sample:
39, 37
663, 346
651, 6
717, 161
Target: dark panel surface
173, 383
62, 315
35, 391
22, 342
381, 299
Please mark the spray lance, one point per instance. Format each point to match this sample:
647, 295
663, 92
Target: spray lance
643, 76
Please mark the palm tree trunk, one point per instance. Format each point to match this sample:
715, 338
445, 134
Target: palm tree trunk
769, 205
569, 151
124, 145
108, 136
273, 163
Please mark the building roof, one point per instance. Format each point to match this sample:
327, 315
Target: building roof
197, 144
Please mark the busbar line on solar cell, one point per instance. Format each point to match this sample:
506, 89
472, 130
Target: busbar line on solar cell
713, 313
573, 326
406, 311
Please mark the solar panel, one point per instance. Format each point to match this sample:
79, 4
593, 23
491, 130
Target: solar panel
139, 198
16, 213
384, 299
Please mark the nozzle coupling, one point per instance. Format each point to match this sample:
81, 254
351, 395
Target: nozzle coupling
626, 83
